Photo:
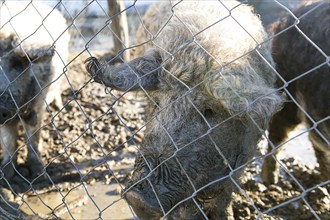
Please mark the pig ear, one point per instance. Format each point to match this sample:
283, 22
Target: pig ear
243, 90
140, 72
36, 53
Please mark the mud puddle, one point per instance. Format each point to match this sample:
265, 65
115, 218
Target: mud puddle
101, 201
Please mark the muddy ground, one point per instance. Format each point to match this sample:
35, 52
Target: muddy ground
89, 150
94, 140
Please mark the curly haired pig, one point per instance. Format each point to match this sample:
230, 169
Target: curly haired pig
303, 62
33, 53
208, 74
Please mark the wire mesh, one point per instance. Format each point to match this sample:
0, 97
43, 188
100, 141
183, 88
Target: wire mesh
162, 143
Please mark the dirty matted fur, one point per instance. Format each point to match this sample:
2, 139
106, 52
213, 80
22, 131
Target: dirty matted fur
208, 74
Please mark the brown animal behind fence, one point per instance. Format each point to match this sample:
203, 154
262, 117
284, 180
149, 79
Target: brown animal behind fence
301, 48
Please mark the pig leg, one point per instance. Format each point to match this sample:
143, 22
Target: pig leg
55, 98
283, 122
53, 95
220, 207
322, 153
8, 140
33, 123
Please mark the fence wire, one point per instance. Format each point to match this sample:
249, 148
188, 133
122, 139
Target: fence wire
190, 129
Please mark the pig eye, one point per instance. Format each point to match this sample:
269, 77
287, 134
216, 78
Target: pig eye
156, 103
156, 106
208, 113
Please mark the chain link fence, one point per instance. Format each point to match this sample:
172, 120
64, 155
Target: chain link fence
110, 138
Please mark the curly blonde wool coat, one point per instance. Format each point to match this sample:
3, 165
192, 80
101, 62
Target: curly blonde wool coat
207, 71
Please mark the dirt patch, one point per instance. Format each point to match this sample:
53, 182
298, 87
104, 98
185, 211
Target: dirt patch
94, 139
296, 196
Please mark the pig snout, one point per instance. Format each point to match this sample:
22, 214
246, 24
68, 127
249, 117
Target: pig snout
5, 114
142, 207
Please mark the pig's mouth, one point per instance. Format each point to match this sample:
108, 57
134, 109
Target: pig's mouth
151, 193
143, 209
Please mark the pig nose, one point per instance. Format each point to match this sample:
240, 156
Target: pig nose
5, 114
141, 207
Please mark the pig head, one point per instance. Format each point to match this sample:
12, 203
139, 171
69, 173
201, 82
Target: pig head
209, 103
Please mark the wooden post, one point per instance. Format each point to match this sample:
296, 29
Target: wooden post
119, 26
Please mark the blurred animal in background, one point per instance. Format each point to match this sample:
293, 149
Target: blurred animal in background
33, 54
270, 11
211, 97
301, 49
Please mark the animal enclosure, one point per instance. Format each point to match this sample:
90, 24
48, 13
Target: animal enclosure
202, 108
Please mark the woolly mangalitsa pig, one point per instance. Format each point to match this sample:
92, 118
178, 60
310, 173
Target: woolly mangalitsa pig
301, 54
33, 55
207, 71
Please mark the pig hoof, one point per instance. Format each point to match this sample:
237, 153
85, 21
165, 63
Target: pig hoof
270, 171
